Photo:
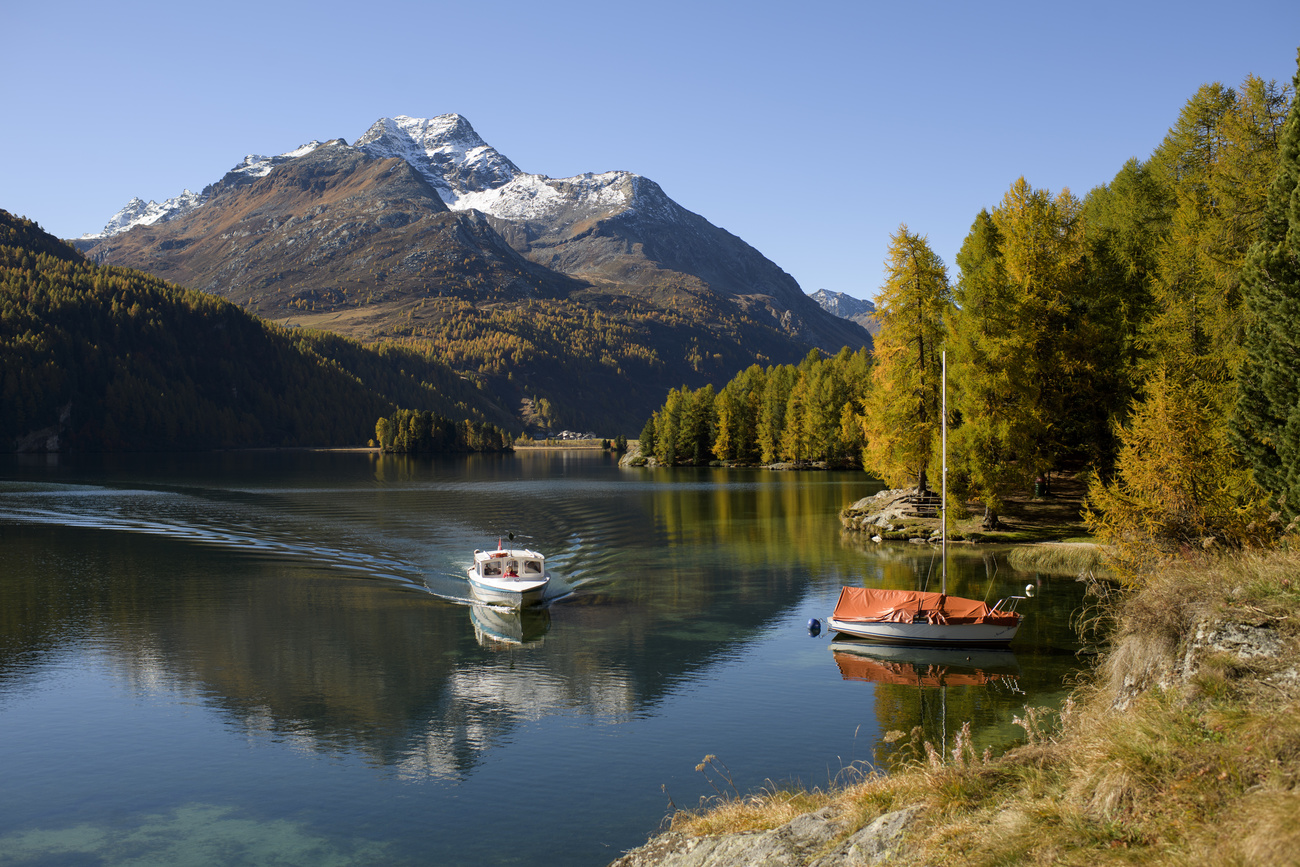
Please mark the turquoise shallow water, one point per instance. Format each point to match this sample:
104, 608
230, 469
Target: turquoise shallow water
270, 657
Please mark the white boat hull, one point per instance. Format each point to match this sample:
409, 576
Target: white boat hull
515, 593
931, 634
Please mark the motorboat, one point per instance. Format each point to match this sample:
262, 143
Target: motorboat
513, 577
918, 617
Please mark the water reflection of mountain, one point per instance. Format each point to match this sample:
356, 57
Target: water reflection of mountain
329, 662
268, 590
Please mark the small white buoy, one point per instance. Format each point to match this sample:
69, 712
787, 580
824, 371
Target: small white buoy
1030, 591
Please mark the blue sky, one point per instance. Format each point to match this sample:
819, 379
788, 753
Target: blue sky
810, 129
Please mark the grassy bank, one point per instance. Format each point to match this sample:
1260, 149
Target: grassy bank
1078, 559
1183, 747
559, 444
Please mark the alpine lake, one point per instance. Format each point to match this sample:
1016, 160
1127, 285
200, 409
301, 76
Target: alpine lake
273, 658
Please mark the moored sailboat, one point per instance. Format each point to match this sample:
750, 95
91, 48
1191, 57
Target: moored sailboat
927, 618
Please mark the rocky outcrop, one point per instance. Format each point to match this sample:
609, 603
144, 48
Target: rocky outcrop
1144, 661
890, 515
812, 840
633, 457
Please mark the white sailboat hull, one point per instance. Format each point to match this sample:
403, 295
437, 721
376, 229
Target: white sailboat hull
933, 634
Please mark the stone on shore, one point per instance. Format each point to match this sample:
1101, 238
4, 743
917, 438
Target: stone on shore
795, 844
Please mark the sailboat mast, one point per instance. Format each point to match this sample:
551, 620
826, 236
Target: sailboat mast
943, 506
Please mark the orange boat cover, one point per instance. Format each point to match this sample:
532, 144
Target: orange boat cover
870, 605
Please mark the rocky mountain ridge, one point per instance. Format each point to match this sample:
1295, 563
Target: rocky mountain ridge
421, 230
613, 227
847, 307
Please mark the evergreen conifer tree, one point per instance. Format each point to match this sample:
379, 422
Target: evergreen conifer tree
1266, 421
901, 419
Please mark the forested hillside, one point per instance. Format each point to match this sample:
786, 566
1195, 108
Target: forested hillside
1147, 330
99, 358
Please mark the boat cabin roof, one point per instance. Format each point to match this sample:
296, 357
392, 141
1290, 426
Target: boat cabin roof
512, 554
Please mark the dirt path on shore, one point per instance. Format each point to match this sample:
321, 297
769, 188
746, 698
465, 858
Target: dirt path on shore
1057, 516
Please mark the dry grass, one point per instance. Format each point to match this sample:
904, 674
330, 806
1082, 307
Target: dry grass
1076, 559
1154, 761
755, 813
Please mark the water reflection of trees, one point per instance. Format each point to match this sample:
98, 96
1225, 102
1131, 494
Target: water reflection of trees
1046, 647
756, 515
926, 694
320, 656
305, 655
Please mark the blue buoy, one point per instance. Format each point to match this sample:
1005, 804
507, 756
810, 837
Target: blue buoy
814, 626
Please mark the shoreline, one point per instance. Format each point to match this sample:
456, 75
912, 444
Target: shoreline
1055, 517
1180, 746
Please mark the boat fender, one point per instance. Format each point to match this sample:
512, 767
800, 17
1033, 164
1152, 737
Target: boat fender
814, 626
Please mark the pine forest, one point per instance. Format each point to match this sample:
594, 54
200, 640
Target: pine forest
1146, 331
126, 362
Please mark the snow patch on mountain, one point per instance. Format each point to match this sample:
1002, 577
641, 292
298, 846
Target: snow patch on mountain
537, 197
845, 306
257, 166
445, 149
466, 171
842, 305
138, 212
469, 173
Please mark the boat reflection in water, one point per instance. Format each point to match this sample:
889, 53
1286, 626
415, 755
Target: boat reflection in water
911, 693
925, 666
495, 626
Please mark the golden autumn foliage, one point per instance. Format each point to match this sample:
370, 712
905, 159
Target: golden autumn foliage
1179, 489
901, 416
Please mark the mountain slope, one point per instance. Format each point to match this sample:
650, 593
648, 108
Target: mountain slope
332, 229
99, 358
614, 228
597, 292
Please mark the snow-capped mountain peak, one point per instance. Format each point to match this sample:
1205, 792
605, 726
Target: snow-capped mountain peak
258, 166
465, 170
445, 149
138, 212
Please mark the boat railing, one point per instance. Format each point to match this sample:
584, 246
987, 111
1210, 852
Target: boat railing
1011, 603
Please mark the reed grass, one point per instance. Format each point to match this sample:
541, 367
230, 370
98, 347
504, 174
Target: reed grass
1074, 559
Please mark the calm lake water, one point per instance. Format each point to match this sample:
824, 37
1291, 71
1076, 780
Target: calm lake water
271, 657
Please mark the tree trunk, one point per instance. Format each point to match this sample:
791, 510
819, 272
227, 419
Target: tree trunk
991, 521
